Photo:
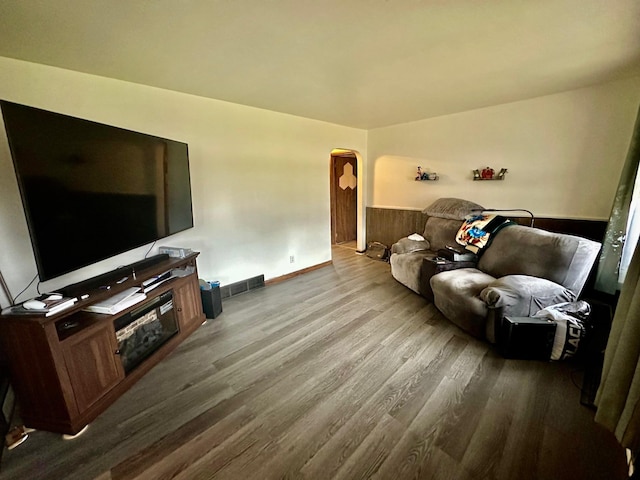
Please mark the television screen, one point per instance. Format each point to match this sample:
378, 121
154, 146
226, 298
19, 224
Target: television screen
91, 191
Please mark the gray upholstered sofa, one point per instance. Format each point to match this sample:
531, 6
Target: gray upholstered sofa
522, 271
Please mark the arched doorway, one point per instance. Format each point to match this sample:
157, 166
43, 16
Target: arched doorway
344, 197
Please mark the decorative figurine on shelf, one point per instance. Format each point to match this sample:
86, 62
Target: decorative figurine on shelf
488, 173
426, 176
476, 174
501, 174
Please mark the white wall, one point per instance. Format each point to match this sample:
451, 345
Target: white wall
260, 179
564, 154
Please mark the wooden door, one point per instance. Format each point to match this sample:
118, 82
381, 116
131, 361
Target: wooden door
344, 199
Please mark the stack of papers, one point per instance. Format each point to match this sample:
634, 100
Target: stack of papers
118, 302
156, 281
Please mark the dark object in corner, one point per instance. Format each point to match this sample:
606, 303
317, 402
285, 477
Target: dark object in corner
211, 302
592, 355
377, 251
528, 338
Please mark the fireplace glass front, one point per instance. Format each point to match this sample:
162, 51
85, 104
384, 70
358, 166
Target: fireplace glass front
143, 330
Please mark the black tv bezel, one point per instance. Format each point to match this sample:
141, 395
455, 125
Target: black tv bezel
40, 265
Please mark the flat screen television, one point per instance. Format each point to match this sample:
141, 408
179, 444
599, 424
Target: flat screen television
91, 191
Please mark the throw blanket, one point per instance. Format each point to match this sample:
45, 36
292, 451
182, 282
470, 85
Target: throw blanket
570, 319
477, 230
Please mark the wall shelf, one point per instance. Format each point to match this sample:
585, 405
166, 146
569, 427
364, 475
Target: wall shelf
425, 176
488, 173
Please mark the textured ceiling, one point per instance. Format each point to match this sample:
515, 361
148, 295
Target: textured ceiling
362, 63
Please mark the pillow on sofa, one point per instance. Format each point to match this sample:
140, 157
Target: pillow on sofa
452, 208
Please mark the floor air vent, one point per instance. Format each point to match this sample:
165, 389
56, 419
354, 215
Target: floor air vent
242, 286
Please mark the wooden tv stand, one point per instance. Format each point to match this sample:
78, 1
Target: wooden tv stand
66, 368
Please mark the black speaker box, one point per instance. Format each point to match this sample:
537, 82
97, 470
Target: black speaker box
527, 338
211, 302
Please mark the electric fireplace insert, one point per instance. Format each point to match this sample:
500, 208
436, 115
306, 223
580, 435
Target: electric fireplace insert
145, 329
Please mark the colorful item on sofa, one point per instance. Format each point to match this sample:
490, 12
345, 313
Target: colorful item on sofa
476, 231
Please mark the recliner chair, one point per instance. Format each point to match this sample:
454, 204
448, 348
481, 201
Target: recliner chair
522, 271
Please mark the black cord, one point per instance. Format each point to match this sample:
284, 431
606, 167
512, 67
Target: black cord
573, 379
13, 299
148, 251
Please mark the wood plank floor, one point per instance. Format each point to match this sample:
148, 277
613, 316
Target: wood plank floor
340, 373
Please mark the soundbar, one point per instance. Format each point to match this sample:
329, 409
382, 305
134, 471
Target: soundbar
93, 283
148, 262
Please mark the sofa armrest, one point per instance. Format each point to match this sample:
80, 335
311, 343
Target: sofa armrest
523, 296
404, 245
519, 296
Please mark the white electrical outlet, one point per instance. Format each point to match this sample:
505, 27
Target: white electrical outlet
292, 259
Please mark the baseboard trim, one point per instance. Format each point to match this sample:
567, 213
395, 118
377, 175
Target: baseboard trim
282, 278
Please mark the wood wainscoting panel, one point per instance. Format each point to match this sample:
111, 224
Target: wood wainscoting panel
591, 229
388, 225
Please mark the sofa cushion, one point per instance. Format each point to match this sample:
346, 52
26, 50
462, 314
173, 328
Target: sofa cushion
519, 250
519, 296
452, 208
457, 296
523, 295
440, 232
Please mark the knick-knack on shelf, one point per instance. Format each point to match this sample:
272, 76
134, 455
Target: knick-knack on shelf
487, 173
426, 176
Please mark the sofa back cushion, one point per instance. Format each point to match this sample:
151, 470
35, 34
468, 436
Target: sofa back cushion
452, 208
563, 259
440, 232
